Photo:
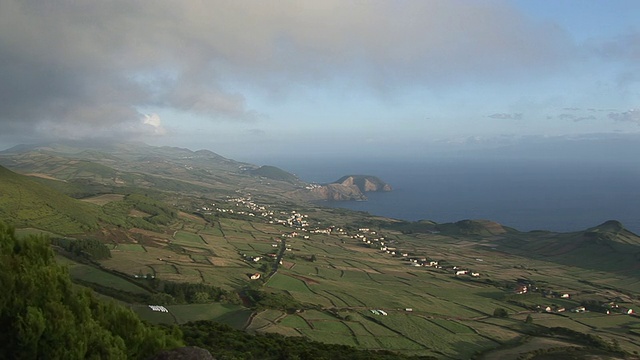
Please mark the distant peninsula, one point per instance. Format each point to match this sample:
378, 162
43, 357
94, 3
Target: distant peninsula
365, 183
350, 187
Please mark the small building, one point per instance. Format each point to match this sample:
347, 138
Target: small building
255, 276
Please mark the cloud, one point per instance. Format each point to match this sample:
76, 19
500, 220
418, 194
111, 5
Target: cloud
625, 47
584, 118
256, 132
506, 116
68, 67
153, 121
632, 115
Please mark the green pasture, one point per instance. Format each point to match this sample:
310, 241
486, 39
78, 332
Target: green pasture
130, 247
452, 326
609, 322
315, 315
271, 315
32, 231
213, 232
288, 283
333, 332
201, 259
229, 278
188, 239
100, 277
104, 199
294, 321
232, 314
154, 317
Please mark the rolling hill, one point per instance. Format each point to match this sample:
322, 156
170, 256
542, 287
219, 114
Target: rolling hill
608, 247
27, 203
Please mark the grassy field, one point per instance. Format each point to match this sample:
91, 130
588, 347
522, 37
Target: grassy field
450, 316
103, 199
233, 315
94, 275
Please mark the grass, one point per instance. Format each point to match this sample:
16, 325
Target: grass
232, 315
214, 311
187, 238
130, 247
288, 283
94, 275
295, 321
103, 199
31, 231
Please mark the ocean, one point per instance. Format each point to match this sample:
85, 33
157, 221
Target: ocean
526, 195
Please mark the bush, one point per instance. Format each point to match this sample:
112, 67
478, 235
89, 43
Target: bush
500, 313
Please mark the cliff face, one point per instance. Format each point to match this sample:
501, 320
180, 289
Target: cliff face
350, 187
338, 192
365, 183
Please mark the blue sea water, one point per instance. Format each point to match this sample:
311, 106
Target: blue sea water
526, 195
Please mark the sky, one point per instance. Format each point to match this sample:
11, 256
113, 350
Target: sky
253, 80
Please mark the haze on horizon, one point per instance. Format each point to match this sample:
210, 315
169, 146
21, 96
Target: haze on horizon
253, 80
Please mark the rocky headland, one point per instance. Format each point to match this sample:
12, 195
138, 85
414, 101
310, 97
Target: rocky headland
350, 187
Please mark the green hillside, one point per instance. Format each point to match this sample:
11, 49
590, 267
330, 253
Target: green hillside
607, 247
45, 316
26, 203
274, 173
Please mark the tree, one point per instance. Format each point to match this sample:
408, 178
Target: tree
44, 315
529, 319
500, 313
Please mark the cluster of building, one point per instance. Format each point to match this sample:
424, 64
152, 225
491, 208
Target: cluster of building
293, 219
372, 239
241, 201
